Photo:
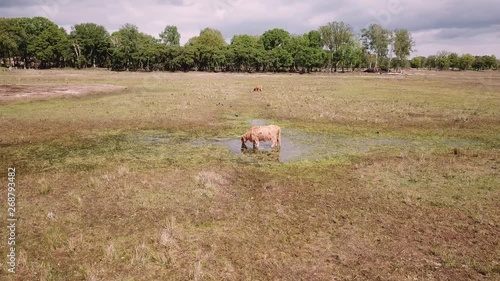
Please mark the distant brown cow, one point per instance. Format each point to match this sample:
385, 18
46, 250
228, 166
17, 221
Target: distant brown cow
258, 88
262, 133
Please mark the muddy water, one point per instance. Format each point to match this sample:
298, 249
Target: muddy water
156, 139
292, 147
297, 145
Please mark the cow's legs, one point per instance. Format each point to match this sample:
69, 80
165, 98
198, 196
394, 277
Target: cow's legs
256, 144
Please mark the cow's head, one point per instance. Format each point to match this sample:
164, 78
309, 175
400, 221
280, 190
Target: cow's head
244, 139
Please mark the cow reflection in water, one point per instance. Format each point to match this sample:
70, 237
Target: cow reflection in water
262, 155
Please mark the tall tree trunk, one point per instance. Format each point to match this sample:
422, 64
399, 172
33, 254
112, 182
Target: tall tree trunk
77, 50
331, 69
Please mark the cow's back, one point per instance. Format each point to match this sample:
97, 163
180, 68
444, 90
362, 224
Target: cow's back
274, 129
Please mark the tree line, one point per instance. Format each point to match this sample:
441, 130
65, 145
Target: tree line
39, 43
444, 60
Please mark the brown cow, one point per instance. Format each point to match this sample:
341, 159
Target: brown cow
262, 133
258, 88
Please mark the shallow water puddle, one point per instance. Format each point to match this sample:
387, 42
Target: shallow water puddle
293, 147
257, 122
297, 145
155, 139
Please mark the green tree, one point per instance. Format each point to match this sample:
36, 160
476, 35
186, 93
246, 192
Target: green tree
297, 47
454, 60
442, 60
490, 62
478, 63
376, 39
207, 58
51, 46
431, 62
208, 50
32, 28
168, 54
306, 55
124, 47
90, 44
417, 62
368, 58
335, 35
170, 36
349, 54
396, 63
275, 38
246, 52
354, 56
279, 58
148, 52
10, 37
403, 45
208, 37
314, 37
185, 60
310, 58
218, 59
466, 61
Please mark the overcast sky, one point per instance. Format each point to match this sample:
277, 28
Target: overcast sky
452, 25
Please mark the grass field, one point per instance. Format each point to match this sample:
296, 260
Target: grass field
128, 176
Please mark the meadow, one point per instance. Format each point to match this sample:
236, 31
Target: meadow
131, 176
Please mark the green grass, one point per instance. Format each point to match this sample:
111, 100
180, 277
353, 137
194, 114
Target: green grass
129, 185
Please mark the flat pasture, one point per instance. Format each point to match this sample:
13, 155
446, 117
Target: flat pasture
139, 176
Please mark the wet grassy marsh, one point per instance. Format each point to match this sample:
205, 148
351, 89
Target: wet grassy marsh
379, 177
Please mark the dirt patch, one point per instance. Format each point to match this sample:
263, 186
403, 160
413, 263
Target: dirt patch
17, 92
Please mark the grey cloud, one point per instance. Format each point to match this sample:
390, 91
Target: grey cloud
175, 2
437, 22
19, 3
452, 14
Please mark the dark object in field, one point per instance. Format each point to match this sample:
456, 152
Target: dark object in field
262, 133
377, 70
258, 88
